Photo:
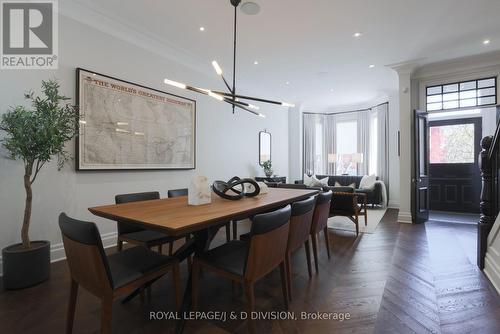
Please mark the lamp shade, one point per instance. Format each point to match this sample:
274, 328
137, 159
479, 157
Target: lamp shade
332, 158
357, 158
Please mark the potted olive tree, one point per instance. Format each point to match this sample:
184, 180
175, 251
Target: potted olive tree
34, 136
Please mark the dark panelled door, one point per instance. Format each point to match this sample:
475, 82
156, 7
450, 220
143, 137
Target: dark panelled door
421, 168
455, 182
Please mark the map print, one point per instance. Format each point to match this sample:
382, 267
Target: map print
125, 126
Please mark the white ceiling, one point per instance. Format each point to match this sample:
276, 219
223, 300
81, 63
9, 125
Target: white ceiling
311, 44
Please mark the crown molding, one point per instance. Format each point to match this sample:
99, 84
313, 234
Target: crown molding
459, 65
78, 11
406, 67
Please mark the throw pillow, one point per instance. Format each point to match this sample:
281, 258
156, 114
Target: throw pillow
368, 182
308, 180
320, 182
352, 185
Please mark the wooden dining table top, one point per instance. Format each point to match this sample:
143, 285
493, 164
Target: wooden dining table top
176, 217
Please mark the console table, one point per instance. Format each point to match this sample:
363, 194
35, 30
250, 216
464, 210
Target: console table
275, 179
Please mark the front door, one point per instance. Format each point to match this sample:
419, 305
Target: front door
421, 168
454, 173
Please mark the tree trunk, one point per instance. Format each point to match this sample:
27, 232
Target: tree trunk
27, 209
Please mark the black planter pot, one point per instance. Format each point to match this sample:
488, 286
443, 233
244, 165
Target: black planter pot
23, 268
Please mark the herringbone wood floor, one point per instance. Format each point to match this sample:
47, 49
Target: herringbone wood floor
401, 279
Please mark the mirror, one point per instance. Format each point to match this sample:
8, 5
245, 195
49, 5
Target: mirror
264, 147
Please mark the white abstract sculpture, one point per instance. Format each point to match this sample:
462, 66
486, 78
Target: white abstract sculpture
264, 189
199, 191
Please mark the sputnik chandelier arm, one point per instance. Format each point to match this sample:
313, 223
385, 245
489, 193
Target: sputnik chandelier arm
230, 97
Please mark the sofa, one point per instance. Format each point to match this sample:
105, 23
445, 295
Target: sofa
373, 196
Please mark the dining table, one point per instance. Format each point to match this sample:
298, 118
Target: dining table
176, 217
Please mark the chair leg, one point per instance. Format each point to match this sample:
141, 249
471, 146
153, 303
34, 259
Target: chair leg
366, 218
119, 245
235, 229
177, 286
288, 266
307, 248
170, 248
284, 285
228, 231
250, 306
327, 241
315, 251
71, 307
195, 284
106, 314
356, 218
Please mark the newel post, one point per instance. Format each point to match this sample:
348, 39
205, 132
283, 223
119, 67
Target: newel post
488, 199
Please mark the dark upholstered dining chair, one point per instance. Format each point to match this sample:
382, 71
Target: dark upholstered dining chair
177, 192
300, 228
108, 277
172, 193
320, 223
138, 235
247, 262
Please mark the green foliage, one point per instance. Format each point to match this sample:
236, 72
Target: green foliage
267, 165
38, 134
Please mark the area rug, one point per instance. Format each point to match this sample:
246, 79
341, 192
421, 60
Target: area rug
344, 223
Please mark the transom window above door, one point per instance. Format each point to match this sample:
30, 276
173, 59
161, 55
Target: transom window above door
463, 94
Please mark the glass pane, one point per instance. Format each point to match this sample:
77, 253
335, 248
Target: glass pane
486, 83
434, 98
347, 147
468, 85
468, 103
486, 100
434, 90
450, 88
451, 144
467, 94
434, 106
486, 92
450, 105
450, 97
421, 146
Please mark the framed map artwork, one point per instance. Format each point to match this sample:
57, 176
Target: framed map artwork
127, 126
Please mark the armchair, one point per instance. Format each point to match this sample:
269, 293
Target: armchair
346, 204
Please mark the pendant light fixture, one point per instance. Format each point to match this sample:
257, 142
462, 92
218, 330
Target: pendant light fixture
231, 97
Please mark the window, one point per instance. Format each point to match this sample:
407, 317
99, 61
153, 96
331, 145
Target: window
451, 144
347, 146
462, 95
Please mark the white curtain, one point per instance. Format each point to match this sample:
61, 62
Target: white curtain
381, 111
371, 137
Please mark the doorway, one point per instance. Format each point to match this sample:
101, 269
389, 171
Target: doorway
447, 181
454, 178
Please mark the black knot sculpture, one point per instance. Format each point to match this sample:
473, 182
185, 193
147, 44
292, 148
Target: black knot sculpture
234, 189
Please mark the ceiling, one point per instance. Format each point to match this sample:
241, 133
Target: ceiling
310, 44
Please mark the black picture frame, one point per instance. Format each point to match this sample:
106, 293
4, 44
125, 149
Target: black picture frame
261, 134
78, 166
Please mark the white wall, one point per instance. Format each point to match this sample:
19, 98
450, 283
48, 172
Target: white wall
227, 144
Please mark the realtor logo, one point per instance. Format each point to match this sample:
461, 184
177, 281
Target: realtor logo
29, 35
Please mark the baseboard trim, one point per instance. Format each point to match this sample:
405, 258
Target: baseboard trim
393, 205
57, 250
405, 217
492, 271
